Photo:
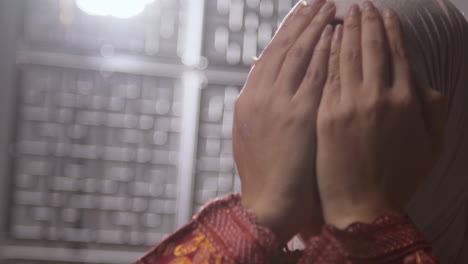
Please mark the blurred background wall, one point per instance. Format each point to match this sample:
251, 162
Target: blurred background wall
462, 5
116, 117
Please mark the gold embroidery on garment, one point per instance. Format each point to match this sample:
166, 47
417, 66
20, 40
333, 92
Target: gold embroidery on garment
203, 249
181, 260
190, 246
169, 249
219, 257
418, 258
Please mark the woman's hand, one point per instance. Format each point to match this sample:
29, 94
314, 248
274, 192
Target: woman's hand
274, 129
379, 131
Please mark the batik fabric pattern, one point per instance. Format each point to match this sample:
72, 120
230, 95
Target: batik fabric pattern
223, 232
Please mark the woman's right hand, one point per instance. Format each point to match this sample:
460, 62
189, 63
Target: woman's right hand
274, 129
379, 131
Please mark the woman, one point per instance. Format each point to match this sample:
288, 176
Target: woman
379, 130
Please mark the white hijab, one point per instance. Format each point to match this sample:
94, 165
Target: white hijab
436, 37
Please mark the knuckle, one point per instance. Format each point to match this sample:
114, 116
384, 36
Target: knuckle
395, 49
299, 116
395, 35
335, 119
380, 63
326, 120
302, 14
391, 18
267, 52
352, 55
322, 50
334, 52
303, 115
370, 17
398, 50
286, 22
296, 52
352, 25
393, 27
373, 44
285, 42
405, 99
315, 75
333, 76
373, 108
279, 44
318, 22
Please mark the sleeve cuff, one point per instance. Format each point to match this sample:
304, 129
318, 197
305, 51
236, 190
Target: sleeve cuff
234, 231
388, 239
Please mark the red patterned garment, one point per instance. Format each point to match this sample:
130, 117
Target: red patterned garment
224, 232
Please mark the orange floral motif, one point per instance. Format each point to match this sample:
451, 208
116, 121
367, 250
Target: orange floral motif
181, 260
203, 254
190, 246
219, 257
418, 258
169, 249
202, 248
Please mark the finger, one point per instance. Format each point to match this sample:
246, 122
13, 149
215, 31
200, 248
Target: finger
351, 58
311, 87
375, 49
299, 55
272, 57
400, 64
331, 91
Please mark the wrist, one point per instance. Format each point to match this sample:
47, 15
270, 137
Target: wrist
345, 214
275, 218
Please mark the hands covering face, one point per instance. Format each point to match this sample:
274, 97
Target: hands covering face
274, 129
371, 134
380, 131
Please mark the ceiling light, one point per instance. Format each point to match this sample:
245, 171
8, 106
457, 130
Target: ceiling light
115, 8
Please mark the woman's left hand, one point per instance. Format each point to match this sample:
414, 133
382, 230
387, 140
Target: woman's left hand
379, 131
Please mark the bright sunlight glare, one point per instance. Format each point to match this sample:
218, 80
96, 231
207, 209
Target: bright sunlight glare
115, 8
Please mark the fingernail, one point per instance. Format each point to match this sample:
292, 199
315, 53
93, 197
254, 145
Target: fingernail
314, 2
353, 11
368, 5
338, 32
327, 6
327, 31
299, 7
